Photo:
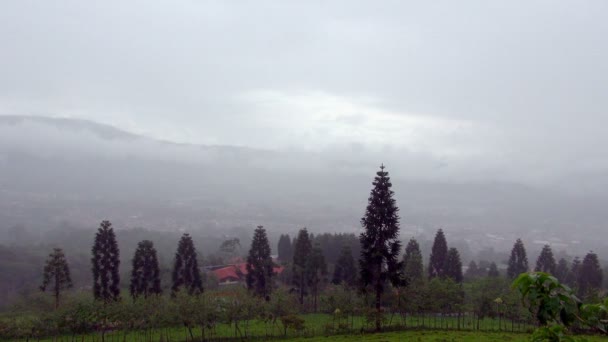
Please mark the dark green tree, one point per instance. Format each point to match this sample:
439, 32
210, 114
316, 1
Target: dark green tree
259, 265
145, 274
185, 268
590, 275
380, 245
412, 261
439, 254
453, 266
561, 271
301, 254
472, 271
345, 271
518, 261
316, 269
284, 248
106, 263
56, 274
573, 273
493, 270
546, 261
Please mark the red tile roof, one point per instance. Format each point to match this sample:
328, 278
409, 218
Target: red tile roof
237, 272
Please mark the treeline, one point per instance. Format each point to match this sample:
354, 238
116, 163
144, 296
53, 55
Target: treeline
374, 270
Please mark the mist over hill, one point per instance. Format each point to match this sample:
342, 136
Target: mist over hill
55, 172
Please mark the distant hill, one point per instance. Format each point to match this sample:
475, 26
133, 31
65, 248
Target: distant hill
54, 171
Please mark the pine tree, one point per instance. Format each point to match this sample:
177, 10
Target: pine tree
493, 270
56, 271
438, 257
380, 246
259, 265
316, 270
412, 261
301, 253
573, 274
561, 271
590, 275
106, 262
518, 261
145, 274
185, 268
453, 266
284, 248
472, 271
546, 261
345, 271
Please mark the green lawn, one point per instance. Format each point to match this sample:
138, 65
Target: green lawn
318, 326
429, 335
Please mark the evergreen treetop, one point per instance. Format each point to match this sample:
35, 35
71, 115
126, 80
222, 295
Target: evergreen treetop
106, 263
259, 265
380, 245
145, 272
56, 274
438, 256
186, 273
412, 261
518, 261
345, 271
453, 266
546, 261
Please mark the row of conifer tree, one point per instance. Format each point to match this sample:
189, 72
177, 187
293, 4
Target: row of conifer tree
378, 265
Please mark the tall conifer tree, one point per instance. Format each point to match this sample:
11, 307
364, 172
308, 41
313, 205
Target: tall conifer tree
438, 257
590, 275
317, 272
284, 248
518, 261
573, 273
453, 266
145, 274
493, 270
301, 253
412, 261
380, 245
345, 271
185, 268
259, 265
106, 263
561, 271
546, 261
56, 274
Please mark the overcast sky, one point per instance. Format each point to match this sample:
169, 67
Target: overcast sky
506, 89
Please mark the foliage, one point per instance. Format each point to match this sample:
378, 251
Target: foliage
58, 271
561, 270
186, 273
518, 261
345, 270
259, 265
453, 265
106, 262
412, 261
284, 248
493, 270
316, 269
380, 245
145, 274
302, 250
546, 261
438, 256
589, 276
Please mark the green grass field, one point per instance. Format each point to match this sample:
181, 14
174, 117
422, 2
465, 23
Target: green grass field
318, 328
431, 336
